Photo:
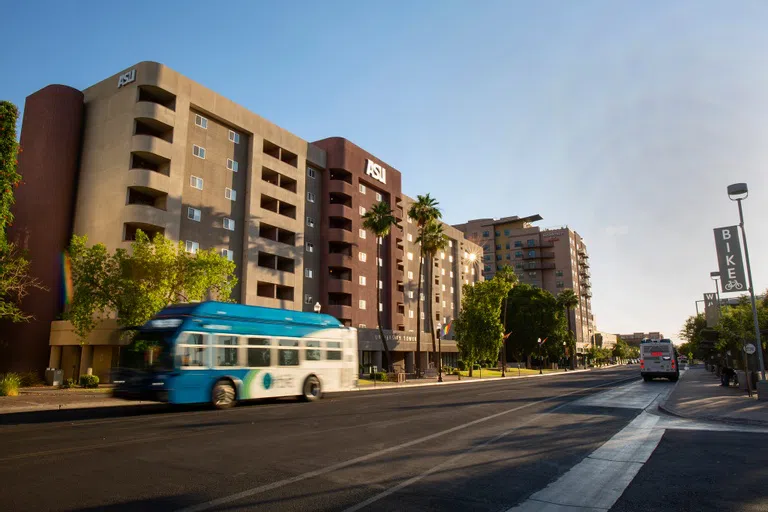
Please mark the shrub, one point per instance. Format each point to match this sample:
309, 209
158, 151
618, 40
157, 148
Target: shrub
29, 379
447, 369
381, 376
69, 383
475, 366
461, 365
457, 372
89, 381
9, 384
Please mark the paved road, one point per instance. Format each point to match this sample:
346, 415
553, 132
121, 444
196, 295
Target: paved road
485, 446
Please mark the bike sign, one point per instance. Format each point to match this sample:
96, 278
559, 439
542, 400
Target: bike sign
728, 246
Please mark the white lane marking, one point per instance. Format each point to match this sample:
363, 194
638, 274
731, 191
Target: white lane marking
448, 462
341, 465
597, 481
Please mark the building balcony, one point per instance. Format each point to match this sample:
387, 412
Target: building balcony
341, 187
581, 251
153, 145
339, 260
339, 210
339, 312
339, 286
340, 235
535, 257
151, 110
149, 216
149, 179
547, 255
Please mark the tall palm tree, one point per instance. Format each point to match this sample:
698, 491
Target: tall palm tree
568, 300
432, 240
424, 210
379, 221
507, 274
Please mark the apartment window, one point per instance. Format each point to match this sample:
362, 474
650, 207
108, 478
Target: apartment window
508, 256
310, 222
409, 237
362, 211
410, 294
309, 273
507, 245
410, 256
234, 137
531, 242
410, 313
506, 232
309, 247
518, 254
311, 172
443, 287
486, 257
518, 266
487, 268
192, 247
450, 259
201, 121
310, 197
451, 273
498, 257
518, 243
450, 243
378, 196
381, 285
560, 284
381, 306
362, 256
559, 273
422, 315
361, 280
532, 274
198, 151
498, 247
228, 253
361, 304
307, 299
410, 275
230, 194
381, 262
451, 289
229, 224
193, 214
442, 255
361, 233
196, 182
409, 220
473, 271
486, 234
361, 326
421, 297
498, 233
443, 303
362, 188
531, 254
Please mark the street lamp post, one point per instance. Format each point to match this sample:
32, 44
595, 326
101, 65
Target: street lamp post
715, 277
738, 192
439, 356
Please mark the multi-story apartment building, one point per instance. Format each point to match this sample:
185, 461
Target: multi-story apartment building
551, 259
635, 338
153, 150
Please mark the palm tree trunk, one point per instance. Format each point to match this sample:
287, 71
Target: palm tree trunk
431, 322
573, 356
388, 361
418, 317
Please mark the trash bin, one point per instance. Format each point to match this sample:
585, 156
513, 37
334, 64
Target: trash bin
54, 376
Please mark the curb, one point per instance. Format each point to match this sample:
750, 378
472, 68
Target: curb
473, 380
704, 417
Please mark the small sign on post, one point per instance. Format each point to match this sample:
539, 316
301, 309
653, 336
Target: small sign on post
711, 310
750, 349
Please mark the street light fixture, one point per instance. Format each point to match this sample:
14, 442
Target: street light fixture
317, 307
715, 276
738, 192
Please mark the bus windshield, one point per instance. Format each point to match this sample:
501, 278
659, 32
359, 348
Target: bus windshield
148, 351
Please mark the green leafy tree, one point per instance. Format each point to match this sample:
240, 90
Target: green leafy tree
736, 326
533, 313
621, 349
379, 221
136, 285
423, 211
692, 334
15, 279
431, 240
478, 327
508, 275
568, 300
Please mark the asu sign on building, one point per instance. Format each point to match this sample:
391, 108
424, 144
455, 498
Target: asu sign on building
376, 171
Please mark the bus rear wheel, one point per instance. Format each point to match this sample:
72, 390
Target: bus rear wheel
223, 395
312, 390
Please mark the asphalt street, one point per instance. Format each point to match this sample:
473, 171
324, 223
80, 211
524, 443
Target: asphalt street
485, 446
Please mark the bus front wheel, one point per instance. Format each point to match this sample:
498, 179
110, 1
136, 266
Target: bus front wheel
223, 394
312, 390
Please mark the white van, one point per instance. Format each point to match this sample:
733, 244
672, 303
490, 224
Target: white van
658, 358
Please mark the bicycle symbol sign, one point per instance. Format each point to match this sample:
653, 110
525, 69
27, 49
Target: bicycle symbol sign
733, 285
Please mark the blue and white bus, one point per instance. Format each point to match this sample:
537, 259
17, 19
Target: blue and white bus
222, 353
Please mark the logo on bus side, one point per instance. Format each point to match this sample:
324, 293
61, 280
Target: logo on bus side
267, 381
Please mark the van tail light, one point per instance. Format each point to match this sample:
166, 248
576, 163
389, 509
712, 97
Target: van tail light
642, 364
673, 364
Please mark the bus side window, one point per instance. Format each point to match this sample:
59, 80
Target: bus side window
259, 352
225, 350
313, 350
288, 357
191, 349
333, 352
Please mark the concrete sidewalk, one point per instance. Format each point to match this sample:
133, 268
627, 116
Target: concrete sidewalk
699, 395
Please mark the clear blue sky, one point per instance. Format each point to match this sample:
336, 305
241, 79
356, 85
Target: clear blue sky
624, 120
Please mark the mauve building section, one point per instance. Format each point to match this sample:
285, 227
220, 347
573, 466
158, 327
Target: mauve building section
50, 142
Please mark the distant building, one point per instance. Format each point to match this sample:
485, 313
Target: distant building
634, 339
605, 340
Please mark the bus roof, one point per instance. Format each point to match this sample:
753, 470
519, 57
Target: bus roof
240, 312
